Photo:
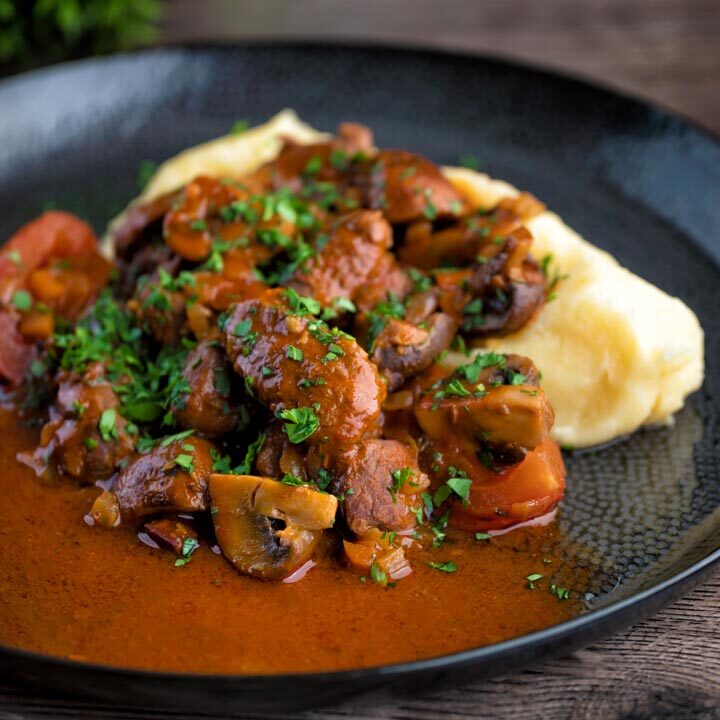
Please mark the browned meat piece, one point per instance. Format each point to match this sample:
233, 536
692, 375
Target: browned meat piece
357, 244
209, 407
403, 349
324, 162
173, 535
160, 311
170, 478
145, 262
491, 407
319, 381
506, 287
407, 187
86, 437
386, 277
140, 221
380, 486
279, 456
460, 243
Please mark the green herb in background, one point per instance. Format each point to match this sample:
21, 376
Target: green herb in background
43, 31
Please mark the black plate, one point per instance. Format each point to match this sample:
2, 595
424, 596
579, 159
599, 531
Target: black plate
644, 514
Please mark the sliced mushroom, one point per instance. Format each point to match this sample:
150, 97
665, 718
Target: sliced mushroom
506, 421
402, 349
510, 285
267, 528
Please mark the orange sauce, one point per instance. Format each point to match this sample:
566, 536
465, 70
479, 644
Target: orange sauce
97, 595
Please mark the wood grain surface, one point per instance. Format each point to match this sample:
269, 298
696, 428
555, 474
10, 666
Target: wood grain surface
667, 50
663, 50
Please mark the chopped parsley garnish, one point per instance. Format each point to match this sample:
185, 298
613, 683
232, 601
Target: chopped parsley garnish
306, 383
482, 536
300, 305
532, 579
471, 371
438, 530
300, 423
324, 479
189, 546
446, 567
222, 464
377, 574
22, 300
293, 353
313, 166
186, 462
455, 389
460, 485
399, 478
515, 378
242, 328
106, 425
561, 592
421, 283
289, 479
170, 439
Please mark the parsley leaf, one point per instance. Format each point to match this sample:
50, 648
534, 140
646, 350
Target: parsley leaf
300, 423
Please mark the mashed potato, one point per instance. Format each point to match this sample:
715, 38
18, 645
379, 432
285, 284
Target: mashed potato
615, 352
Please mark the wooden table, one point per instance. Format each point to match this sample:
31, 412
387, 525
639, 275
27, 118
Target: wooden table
666, 50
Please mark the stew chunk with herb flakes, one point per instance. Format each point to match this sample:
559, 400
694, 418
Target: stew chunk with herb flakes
274, 371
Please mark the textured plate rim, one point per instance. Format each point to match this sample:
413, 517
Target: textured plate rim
580, 630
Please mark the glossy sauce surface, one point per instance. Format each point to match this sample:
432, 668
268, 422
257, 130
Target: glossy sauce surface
100, 595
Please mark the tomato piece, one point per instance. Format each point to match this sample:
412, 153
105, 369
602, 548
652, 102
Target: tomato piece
521, 493
15, 354
55, 234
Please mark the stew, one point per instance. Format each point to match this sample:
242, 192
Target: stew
269, 422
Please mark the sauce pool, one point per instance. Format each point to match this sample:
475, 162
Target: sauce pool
103, 596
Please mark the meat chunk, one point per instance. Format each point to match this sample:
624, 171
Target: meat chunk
86, 436
407, 187
208, 407
169, 478
358, 242
173, 535
403, 349
318, 380
279, 456
501, 286
380, 484
139, 223
326, 162
388, 277
161, 311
